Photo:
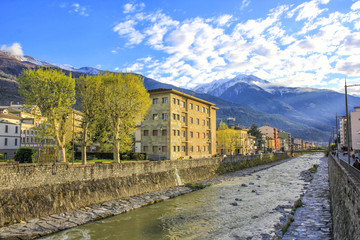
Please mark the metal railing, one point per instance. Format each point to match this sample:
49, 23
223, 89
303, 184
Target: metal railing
349, 168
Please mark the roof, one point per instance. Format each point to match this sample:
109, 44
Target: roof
170, 90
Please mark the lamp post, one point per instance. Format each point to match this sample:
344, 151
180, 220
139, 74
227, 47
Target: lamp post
347, 118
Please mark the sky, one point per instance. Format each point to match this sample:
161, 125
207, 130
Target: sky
291, 43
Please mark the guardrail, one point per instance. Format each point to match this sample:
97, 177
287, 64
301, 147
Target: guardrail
352, 170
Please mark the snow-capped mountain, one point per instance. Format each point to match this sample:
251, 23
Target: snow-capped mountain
34, 61
218, 87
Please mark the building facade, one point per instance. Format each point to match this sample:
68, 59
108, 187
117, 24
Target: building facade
285, 141
10, 129
355, 129
272, 133
178, 125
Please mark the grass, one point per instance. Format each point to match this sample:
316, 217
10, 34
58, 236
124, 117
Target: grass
314, 168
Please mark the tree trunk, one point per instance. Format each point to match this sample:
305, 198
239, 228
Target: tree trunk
62, 157
116, 146
84, 143
83, 154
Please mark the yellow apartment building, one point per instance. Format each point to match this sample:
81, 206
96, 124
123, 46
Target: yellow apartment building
178, 125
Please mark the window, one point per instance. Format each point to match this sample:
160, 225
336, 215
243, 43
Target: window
197, 107
155, 132
174, 116
15, 141
23, 140
178, 101
32, 132
27, 132
207, 123
198, 148
174, 148
191, 134
203, 135
164, 100
164, 116
191, 149
174, 101
146, 132
145, 148
207, 110
6, 128
178, 117
155, 149
178, 148
164, 132
191, 106
155, 116
155, 101
174, 132
32, 140
198, 135
178, 132
203, 109
27, 139
163, 148
191, 120
197, 121
16, 129
5, 143
183, 148
203, 122
183, 119
182, 103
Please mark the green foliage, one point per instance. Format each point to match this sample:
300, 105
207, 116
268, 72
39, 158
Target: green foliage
1, 157
196, 186
298, 203
314, 168
25, 155
124, 103
227, 138
54, 93
254, 131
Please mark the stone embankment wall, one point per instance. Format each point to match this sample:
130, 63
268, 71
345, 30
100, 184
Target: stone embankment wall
345, 200
30, 191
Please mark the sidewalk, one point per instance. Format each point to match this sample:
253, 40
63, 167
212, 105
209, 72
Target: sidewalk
313, 219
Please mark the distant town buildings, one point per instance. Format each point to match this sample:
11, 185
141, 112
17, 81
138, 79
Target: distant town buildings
355, 129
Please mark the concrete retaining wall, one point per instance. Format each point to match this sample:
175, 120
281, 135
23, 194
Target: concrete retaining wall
345, 200
30, 191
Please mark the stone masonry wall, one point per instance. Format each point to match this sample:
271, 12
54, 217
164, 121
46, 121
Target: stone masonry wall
30, 191
345, 201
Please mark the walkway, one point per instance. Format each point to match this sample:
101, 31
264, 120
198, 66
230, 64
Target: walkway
313, 219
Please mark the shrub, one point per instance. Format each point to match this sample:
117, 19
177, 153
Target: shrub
1, 157
25, 155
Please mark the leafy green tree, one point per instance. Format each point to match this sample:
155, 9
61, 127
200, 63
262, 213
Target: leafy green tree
124, 104
87, 92
25, 155
54, 93
254, 131
227, 138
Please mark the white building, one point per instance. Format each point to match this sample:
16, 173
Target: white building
10, 130
355, 129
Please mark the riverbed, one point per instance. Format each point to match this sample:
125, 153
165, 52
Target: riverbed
239, 207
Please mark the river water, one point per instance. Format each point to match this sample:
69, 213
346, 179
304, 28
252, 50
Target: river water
239, 207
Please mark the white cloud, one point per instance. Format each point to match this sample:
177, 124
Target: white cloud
127, 29
81, 10
14, 50
355, 6
200, 50
245, 3
130, 8
223, 20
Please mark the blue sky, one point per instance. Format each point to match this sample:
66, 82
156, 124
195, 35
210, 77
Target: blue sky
294, 43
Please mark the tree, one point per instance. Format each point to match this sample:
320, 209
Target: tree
54, 93
124, 104
227, 138
254, 131
90, 102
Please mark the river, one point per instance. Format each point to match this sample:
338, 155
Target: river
240, 207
